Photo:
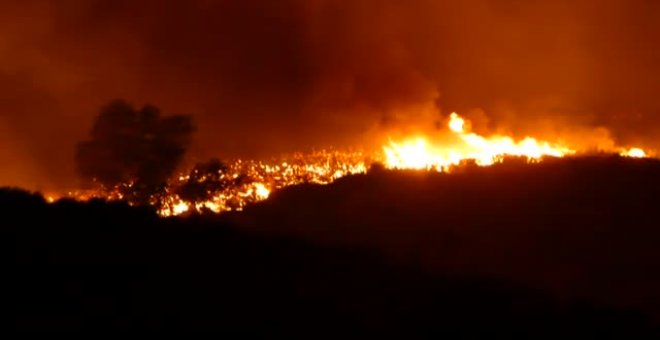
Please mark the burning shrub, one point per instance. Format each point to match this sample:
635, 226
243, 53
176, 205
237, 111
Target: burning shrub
204, 181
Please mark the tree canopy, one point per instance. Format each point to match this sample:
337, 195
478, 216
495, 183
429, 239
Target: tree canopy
129, 146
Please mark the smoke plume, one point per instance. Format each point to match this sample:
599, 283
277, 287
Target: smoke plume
264, 77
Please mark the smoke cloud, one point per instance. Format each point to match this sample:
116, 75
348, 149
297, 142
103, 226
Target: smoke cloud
264, 77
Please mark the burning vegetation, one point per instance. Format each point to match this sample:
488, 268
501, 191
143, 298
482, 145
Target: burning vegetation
133, 154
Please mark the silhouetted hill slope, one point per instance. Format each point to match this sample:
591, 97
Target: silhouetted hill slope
580, 227
489, 251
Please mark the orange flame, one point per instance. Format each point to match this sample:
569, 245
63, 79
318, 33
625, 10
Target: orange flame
634, 153
324, 167
418, 154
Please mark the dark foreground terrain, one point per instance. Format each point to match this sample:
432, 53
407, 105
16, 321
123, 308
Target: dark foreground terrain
565, 247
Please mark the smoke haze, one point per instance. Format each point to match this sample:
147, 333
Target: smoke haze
264, 77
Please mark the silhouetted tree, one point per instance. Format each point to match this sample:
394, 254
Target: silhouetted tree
139, 147
204, 180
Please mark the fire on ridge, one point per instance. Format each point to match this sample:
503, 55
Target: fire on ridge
241, 182
418, 154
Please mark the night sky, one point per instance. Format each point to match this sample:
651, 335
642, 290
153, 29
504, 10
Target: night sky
263, 77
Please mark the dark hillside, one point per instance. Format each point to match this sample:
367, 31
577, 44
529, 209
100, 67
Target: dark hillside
547, 249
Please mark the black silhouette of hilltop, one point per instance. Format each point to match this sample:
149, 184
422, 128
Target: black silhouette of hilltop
529, 250
584, 227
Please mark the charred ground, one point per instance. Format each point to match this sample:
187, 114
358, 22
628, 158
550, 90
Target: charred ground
559, 246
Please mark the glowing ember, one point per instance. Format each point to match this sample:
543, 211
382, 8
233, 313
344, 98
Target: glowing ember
180, 208
261, 178
261, 191
239, 183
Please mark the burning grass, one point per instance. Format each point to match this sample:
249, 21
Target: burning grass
217, 187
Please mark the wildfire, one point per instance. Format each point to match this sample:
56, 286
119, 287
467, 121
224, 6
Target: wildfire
261, 179
634, 153
419, 154
241, 182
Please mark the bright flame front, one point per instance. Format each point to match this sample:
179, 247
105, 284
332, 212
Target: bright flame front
324, 167
418, 153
